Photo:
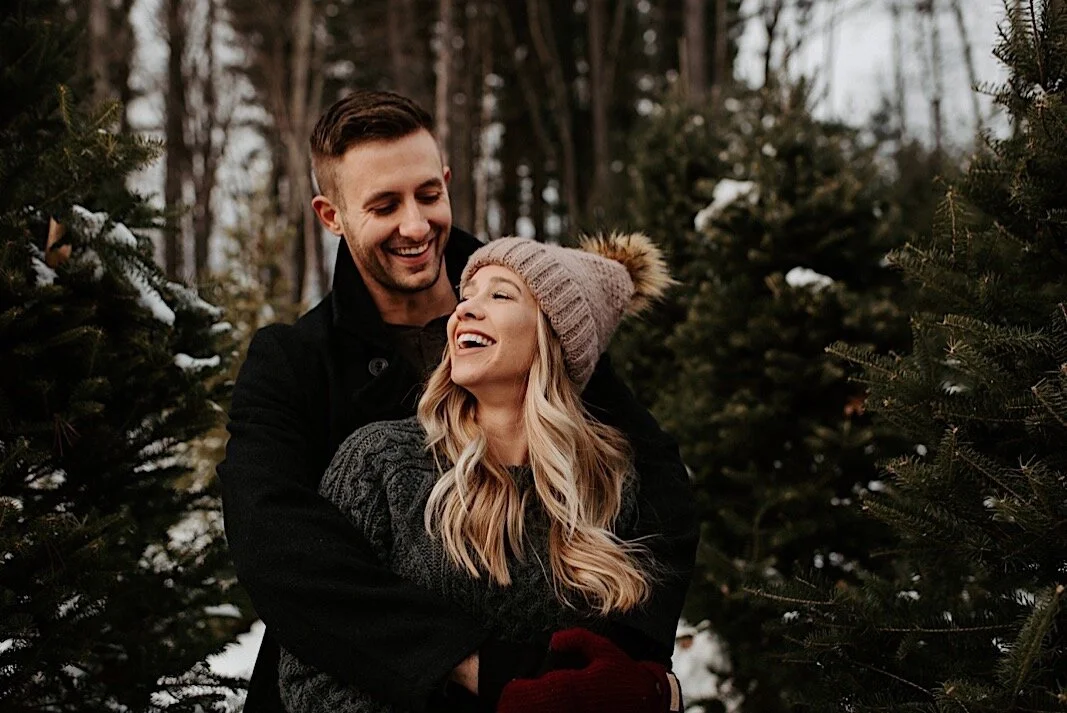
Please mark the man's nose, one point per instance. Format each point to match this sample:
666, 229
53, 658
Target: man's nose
413, 224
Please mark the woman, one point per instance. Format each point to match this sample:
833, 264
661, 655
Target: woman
503, 495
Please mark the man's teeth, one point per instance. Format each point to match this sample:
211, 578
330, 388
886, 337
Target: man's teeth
413, 251
475, 340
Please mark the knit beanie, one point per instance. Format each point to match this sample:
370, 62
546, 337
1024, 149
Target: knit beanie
585, 291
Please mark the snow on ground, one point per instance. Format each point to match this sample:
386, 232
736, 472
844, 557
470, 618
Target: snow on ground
703, 668
239, 657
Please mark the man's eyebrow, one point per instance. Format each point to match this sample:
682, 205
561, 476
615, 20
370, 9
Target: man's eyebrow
382, 195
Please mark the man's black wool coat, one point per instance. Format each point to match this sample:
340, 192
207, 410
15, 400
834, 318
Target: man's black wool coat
301, 391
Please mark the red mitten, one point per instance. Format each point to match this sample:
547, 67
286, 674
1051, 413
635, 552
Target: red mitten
609, 682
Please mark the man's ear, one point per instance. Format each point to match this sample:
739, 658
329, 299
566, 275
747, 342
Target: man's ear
328, 214
448, 175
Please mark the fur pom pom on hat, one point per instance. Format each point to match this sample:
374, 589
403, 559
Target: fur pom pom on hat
584, 292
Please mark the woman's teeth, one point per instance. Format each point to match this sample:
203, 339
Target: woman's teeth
474, 340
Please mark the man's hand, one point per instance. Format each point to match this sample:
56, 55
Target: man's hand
466, 673
609, 681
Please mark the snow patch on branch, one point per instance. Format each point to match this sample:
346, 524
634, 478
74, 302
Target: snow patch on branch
45, 275
189, 298
188, 363
94, 223
726, 193
806, 277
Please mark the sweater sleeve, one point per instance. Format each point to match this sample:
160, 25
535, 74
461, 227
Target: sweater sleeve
314, 579
353, 483
666, 519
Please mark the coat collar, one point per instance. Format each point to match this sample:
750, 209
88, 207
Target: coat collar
354, 309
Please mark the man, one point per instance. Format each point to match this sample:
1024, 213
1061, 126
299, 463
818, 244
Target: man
360, 356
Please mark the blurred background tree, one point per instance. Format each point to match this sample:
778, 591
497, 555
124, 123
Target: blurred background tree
113, 578
971, 614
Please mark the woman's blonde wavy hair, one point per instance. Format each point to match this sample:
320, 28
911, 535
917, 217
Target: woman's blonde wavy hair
579, 469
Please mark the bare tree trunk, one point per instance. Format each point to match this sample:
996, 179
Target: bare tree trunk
99, 54
772, 15
443, 72
936, 101
465, 122
125, 43
208, 150
599, 93
397, 56
968, 58
899, 86
481, 176
696, 75
177, 149
720, 73
296, 140
544, 46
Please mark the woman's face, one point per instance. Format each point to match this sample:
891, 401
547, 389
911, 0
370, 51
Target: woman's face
492, 335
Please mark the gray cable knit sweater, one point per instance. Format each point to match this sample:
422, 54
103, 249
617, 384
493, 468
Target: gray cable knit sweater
380, 479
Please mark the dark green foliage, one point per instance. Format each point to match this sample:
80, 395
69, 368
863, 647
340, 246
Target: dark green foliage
735, 364
107, 564
973, 617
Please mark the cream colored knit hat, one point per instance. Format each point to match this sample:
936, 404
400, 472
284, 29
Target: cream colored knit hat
584, 292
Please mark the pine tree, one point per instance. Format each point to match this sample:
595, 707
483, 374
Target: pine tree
109, 568
973, 616
786, 258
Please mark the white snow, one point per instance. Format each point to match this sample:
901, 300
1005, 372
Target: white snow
727, 191
239, 657
227, 610
188, 363
93, 224
45, 275
149, 298
221, 328
191, 299
90, 258
806, 277
702, 667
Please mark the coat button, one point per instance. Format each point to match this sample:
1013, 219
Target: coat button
377, 365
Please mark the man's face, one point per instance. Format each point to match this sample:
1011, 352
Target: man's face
394, 212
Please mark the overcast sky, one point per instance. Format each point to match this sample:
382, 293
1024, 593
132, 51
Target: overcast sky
853, 56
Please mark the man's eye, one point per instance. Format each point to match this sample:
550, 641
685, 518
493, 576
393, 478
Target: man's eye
384, 209
429, 198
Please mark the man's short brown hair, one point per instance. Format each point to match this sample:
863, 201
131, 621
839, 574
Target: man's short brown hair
364, 115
